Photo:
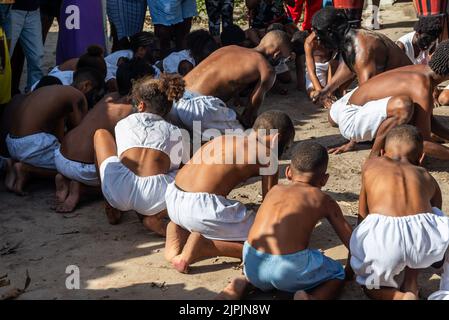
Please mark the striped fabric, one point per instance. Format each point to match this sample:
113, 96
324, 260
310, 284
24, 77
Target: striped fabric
128, 16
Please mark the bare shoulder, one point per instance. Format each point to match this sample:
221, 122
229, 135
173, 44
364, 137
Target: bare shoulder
375, 163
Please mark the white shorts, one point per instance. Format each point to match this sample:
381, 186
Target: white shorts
359, 123
126, 191
443, 292
321, 71
382, 246
37, 149
214, 217
85, 173
210, 113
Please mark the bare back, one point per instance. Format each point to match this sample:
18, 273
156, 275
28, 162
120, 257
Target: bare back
45, 110
395, 188
369, 53
228, 71
208, 171
78, 143
287, 217
413, 81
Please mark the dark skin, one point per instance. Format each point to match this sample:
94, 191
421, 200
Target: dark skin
394, 185
208, 171
365, 54
417, 82
231, 70
49, 109
144, 162
315, 52
285, 222
78, 145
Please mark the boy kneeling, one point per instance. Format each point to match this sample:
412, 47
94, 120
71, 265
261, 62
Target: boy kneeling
204, 222
403, 227
276, 254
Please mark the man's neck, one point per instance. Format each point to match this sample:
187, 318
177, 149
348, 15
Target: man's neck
307, 180
435, 78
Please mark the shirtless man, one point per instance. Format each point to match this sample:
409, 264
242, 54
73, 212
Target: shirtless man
363, 53
399, 96
222, 76
276, 254
75, 158
204, 223
38, 126
400, 217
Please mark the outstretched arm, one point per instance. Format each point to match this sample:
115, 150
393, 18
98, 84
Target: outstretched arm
342, 75
266, 82
269, 182
437, 199
339, 223
310, 62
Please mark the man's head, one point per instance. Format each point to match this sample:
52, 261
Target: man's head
90, 82
232, 35
275, 46
330, 26
276, 126
404, 141
439, 63
157, 95
428, 30
201, 44
309, 160
130, 71
142, 44
93, 58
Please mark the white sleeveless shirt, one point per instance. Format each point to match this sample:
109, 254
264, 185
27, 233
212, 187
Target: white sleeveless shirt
147, 130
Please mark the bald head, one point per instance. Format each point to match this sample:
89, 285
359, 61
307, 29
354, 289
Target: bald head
276, 43
404, 141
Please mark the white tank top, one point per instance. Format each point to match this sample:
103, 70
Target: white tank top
147, 130
407, 41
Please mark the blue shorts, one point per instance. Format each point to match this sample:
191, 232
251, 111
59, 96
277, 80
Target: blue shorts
171, 12
302, 270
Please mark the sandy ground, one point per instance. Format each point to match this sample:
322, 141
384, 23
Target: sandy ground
126, 262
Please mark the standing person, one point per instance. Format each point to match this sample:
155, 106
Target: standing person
310, 8
81, 26
126, 17
172, 19
50, 10
24, 27
219, 11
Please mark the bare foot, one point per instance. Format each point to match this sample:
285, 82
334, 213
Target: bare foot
113, 214
302, 295
72, 200
234, 290
180, 264
409, 296
10, 177
21, 178
62, 189
176, 239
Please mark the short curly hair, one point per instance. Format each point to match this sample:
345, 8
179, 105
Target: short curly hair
429, 25
439, 63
